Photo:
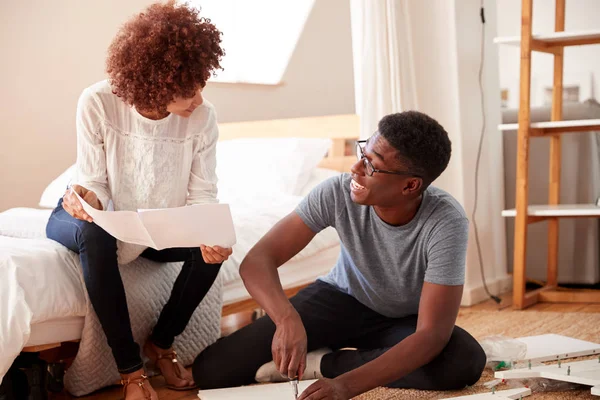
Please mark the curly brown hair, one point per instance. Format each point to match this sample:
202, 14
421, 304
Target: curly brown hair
164, 52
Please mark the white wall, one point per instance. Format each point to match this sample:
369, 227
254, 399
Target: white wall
447, 56
579, 62
52, 50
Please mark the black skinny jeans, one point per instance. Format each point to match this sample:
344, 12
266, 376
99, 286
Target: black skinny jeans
98, 254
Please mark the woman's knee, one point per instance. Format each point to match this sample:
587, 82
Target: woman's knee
75, 233
196, 254
82, 236
199, 262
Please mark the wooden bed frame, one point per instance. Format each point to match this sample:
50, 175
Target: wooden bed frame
341, 129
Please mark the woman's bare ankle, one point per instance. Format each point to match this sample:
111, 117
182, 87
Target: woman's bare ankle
134, 374
154, 350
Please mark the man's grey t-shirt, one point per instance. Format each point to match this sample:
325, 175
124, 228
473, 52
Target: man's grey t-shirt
384, 266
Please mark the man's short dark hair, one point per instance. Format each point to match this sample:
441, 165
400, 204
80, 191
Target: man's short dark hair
423, 144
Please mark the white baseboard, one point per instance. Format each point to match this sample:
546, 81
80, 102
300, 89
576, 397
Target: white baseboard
477, 294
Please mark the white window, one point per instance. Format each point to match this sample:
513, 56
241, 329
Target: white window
259, 36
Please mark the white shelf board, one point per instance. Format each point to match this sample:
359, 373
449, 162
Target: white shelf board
552, 37
577, 123
560, 210
550, 346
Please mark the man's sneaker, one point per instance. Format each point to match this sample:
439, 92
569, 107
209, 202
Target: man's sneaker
268, 373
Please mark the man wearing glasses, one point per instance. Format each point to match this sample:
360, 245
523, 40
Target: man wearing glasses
385, 315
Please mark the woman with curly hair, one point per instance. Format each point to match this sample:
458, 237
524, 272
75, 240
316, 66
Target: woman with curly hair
146, 139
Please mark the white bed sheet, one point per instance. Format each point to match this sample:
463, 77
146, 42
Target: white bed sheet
56, 330
253, 217
291, 274
47, 272
39, 281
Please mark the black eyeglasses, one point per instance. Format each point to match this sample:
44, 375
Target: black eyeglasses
370, 169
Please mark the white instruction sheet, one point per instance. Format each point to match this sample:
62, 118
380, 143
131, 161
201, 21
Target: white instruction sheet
188, 226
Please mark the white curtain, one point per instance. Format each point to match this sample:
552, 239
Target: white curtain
384, 78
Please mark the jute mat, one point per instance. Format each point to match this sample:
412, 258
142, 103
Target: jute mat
480, 324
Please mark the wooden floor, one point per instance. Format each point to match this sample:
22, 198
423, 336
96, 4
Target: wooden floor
232, 322
548, 307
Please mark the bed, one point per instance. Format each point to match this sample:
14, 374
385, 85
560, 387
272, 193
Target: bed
292, 155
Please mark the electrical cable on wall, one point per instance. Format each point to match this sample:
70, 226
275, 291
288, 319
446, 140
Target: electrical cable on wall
482, 15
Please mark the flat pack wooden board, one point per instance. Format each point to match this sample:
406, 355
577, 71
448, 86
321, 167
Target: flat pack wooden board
550, 347
585, 372
274, 391
498, 395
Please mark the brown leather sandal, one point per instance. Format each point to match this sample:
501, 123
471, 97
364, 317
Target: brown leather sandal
172, 355
141, 381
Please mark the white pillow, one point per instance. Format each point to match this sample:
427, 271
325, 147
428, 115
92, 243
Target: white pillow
24, 223
275, 165
317, 176
56, 189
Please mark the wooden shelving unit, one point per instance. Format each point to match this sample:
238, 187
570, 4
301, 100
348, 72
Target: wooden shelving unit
524, 213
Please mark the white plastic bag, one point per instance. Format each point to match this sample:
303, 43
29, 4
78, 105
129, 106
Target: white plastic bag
503, 349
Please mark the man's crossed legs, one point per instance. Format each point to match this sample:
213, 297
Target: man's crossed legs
336, 320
